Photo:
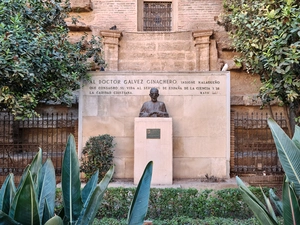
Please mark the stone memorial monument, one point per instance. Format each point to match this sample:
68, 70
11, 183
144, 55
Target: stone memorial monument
153, 141
196, 134
154, 108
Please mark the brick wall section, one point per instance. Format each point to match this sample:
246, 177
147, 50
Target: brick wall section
121, 13
198, 14
192, 14
151, 51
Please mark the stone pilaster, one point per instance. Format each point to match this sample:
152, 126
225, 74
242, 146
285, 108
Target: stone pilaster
213, 56
111, 40
202, 44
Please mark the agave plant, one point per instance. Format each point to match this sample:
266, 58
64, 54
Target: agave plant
289, 155
33, 201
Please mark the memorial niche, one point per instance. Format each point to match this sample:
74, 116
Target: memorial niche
154, 108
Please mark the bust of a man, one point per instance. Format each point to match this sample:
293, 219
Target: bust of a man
154, 108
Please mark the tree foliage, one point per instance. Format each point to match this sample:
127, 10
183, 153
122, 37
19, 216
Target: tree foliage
37, 62
267, 34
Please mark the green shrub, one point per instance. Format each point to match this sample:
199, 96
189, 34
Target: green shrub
58, 201
116, 203
228, 203
110, 221
176, 202
184, 221
97, 155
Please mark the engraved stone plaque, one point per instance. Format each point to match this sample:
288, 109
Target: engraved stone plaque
153, 133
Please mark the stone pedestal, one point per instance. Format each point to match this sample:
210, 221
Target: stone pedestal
153, 142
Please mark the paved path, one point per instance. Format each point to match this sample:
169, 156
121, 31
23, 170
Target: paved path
182, 183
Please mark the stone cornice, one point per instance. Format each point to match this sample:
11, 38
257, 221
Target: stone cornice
202, 33
111, 33
202, 36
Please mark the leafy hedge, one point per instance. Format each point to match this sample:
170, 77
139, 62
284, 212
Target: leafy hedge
176, 202
184, 221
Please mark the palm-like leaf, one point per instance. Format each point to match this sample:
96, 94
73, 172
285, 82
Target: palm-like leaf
56, 220
269, 206
6, 220
24, 208
90, 186
288, 153
257, 207
47, 188
71, 182
7, 193
276, 201
139, 205
291, 211
46, 213
296, 137
35, 165
94, 199
24, 174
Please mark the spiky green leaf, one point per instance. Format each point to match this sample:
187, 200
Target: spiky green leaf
7, 193
24, 208
46, 213
269, 206
36, 165
94, 199
291, 211
242, 186
90, 186
56, 220
6, 220
47, 188
288, 153
276, 201
259, 210
70, 182
296, 137
24, 174
139, 204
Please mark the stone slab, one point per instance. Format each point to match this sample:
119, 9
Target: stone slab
153, 142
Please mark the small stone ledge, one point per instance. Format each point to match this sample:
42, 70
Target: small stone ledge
79, 27
248, 100
245, 100
79, 6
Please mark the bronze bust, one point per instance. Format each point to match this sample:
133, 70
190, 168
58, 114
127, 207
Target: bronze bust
154, 108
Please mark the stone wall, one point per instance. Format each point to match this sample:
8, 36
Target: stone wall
157, 52
196, 15
188, 14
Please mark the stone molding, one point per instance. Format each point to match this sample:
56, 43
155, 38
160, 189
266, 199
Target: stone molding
202, 36
203, 50
111, 39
